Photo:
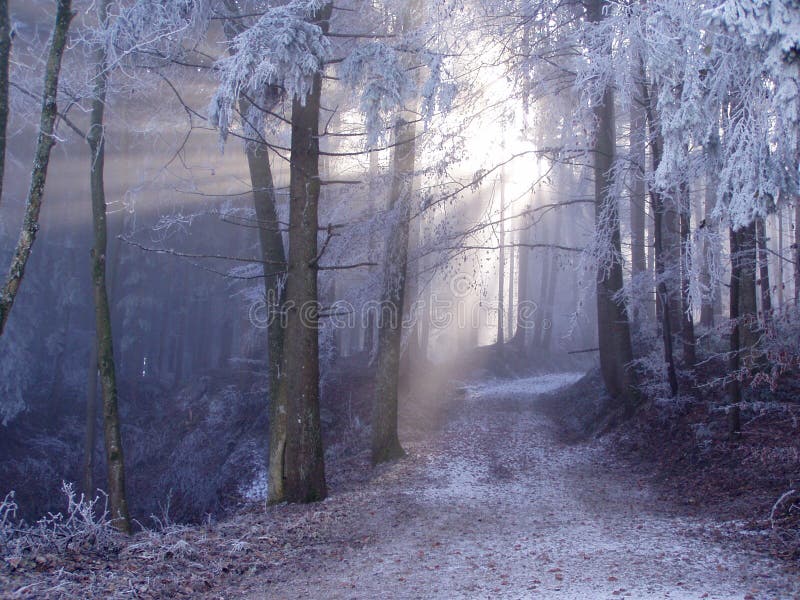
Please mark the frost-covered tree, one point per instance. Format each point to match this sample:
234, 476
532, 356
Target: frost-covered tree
616, 352
385, 442
287, 47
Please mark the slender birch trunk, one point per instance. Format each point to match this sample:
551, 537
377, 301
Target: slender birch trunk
44, 144
118, 502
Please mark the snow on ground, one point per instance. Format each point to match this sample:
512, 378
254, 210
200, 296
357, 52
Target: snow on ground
496, 507
525, 387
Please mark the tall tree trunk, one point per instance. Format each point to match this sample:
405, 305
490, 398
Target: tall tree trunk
5, 55
763, 271
687, 318
638, 193
538, 335
270, 241
501, 265
385, 441
511, 276
410, 353
302, 476
370, 331
796, 247
547, 321
105, 348
44, 144
658, 210
671, 250
779, 262
734, 360
663, 296
523, 267
274, 258
614, 335
748, 303
91, 424
425, 325
711, 297
652, 311
552, 283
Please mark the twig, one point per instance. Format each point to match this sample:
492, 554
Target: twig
777, 504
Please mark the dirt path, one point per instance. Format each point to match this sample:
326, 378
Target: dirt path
497, 508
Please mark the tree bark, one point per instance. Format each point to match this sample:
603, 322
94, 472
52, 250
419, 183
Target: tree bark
779, 262
511, 276
302, 476
638, 193
796, 247
370, 329
763, 271
91, 424
711, 297
663, 296
5, 55
523, 267
734, 360
118, 502
687, 318
270, 241
538, 335
385, 440
552, 282
501, 265
614, 336
44, 144
274, 257
748, 304
658, 210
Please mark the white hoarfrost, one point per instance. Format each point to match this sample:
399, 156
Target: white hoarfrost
378, 71
526, 387
496, 507
282, 48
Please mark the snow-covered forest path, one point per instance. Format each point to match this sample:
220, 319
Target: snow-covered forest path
497, 507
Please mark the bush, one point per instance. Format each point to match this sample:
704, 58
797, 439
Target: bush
84, 526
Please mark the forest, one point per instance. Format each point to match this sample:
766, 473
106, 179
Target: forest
404, 299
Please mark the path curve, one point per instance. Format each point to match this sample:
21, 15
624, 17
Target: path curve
496, 507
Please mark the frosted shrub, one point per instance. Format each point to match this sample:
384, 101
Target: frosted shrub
8, 517
650, 365
82, 527
781, 345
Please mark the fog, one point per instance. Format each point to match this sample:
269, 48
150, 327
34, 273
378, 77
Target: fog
430, 258
176, 199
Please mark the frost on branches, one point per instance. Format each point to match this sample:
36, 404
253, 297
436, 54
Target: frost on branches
765, 80
378, 71
155, 30
282, 49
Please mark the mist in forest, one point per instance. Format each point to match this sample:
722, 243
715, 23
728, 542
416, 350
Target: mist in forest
262, 255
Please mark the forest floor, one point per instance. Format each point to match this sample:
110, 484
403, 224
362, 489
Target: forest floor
494, 504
